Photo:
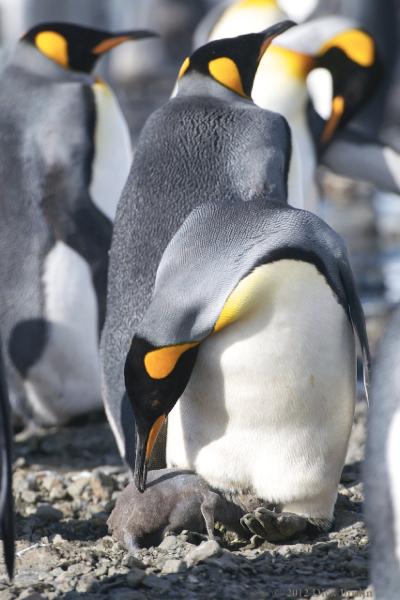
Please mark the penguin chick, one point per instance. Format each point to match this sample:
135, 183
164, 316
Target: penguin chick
174, 500
7, 518
210, 142
57, 126
248, 345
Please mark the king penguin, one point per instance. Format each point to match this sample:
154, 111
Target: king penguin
317, 75
61, 130
249, 347
209, 142
382, 467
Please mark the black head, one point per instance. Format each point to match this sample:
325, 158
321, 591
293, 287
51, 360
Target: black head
233, 62
351, 59
76, 47
155, 378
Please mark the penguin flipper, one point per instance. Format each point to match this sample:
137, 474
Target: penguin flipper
88, 231
355, 155
356, 314
7, 518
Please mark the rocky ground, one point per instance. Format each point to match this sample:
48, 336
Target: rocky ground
66, 482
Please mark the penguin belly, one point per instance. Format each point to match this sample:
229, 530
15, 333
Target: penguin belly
239, 20
65, 381
113, 151
270, 403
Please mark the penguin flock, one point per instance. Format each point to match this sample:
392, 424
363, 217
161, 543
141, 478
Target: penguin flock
224, 307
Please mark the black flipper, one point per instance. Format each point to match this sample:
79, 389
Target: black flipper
7, 518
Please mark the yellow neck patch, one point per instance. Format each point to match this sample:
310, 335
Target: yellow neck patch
161, 362
54, 46
241, 299
225, 71
358, 46
294, 63
255, 3
184, 67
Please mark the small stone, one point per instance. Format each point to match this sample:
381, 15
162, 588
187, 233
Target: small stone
30, 595
173, 565
76, 488
48, 514
131, 561
227, 562
169, 542
135, 577
28, 496
201, 553
102, 485
58, 540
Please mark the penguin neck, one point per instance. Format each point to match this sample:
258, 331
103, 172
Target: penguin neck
196, 84
28, 58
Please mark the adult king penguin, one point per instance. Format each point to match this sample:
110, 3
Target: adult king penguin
318, 76
248, 345
382, 468
210, 142
65, 157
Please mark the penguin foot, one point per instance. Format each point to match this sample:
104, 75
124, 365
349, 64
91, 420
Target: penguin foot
274, 526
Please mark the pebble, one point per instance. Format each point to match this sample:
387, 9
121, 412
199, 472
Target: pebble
48, 514
202, 552
76, 488
173, 565
135, 577
169, 542
102, 485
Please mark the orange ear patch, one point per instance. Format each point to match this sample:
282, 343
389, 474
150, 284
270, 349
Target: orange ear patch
358, 45
184, 67
225, 71
54, 46
338, 106
161, 362
109, 43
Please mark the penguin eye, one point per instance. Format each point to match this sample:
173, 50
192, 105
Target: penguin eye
357, 45
54, 46
184, 67
161, 362
225, 71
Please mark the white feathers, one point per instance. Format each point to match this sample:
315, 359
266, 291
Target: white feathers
66, 380
113, 151
270, 402
320, 89
392, 457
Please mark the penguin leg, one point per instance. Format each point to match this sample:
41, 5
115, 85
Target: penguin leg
275, 526
208, 508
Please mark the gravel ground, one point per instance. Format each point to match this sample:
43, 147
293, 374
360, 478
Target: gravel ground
66, 482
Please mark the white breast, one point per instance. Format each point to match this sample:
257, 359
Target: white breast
239, 20
270, 402
65, 382
113, 151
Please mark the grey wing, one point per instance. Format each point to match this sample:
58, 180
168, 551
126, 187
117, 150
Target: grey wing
355, 155
356, 313
7, 527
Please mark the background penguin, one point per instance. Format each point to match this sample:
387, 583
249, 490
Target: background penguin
382, 471
7, 533
56, 227
253, 325
310, 102
209, 142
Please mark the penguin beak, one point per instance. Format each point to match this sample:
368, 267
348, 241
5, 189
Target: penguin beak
145, 440
115, 39
272, 32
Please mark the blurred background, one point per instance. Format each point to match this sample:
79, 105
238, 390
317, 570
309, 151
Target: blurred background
143, 76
